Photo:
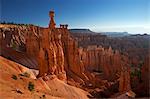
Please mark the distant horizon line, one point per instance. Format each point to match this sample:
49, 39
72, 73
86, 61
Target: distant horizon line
97, 30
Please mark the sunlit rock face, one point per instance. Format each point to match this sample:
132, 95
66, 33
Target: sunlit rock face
98, 59
51, 51
83, 63
124, 80
34, 46
56, 54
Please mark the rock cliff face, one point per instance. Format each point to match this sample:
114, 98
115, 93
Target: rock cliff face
54, 52
135, 46
91, 66
51, 55
129, 52
13, 44
32, 40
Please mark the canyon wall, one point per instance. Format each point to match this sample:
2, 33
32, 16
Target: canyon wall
89, 66
54, 52
13, 44
135, 46
51, 55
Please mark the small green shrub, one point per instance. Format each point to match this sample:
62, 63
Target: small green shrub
14, 45
14, 77
31, 86
25, 74
136, 73
132, 65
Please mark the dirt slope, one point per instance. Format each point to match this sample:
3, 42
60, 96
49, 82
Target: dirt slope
16, 80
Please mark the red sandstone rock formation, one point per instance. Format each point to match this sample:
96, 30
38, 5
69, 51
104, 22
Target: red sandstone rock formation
59, 54
1, 41
51, 55
102, 60
13, 45
32, 41
58, 50
124, 80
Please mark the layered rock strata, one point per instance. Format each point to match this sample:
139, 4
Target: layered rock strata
58, 53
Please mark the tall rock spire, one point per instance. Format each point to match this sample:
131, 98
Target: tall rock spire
52, 21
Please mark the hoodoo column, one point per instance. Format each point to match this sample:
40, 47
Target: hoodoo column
52, 21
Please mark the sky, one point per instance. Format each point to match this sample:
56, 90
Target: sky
98, 15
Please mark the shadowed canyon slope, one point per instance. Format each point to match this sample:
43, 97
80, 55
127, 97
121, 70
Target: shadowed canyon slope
58, 58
